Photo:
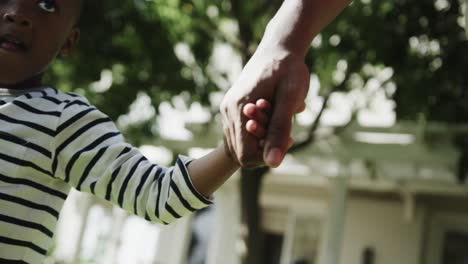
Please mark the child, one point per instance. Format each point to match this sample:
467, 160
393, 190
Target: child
52, 141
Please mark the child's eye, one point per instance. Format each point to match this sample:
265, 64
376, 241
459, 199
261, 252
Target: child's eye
47, 5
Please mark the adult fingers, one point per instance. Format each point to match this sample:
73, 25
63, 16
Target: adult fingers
279, 129
229, 142
289, 97
301, 108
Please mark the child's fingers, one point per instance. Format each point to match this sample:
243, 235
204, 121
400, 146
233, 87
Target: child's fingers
252, 111
255, 129
249, 110
264, 105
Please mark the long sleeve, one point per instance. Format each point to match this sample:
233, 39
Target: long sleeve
92, 156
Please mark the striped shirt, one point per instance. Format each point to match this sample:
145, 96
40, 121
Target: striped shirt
52, 141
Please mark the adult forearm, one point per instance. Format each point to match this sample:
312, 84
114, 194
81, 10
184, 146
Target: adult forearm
297, 22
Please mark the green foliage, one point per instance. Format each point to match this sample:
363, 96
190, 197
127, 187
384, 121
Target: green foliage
421, 40
135, 42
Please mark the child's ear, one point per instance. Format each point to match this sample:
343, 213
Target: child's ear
70, 42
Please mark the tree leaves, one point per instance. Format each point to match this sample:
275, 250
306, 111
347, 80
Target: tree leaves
135, 40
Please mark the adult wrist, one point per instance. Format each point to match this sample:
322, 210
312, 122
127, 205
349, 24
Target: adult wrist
292, 28
279, 53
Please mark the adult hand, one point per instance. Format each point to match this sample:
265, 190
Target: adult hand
275, 75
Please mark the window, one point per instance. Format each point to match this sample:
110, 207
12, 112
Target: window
448, 239
455, 248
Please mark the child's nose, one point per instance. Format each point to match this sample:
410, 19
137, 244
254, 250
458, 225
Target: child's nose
18, 19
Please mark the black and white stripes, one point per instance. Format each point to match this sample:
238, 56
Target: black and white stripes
51, 141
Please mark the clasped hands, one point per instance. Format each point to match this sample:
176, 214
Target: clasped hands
257, 111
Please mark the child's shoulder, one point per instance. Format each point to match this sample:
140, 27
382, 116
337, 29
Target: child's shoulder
66, 96
64, 99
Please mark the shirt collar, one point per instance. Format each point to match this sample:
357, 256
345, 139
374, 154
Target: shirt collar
5, 92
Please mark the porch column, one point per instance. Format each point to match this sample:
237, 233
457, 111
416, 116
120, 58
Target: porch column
330, 244
224, 245
174, 241
71, 227
466, 17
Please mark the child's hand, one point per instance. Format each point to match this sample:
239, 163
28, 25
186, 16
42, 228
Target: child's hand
259, 118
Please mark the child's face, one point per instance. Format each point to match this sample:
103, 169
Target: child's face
32, 34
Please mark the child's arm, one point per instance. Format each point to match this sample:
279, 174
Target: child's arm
91, 156
211, 171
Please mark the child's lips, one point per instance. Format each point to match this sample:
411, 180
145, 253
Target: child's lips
12, 45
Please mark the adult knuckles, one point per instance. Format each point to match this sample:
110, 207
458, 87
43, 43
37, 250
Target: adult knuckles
277, 135
250, 161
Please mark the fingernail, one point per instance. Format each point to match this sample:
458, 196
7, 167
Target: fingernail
274, 157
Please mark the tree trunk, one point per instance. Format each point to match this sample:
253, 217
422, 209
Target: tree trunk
251, 182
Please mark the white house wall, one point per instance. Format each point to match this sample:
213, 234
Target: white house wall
225, 246
379, 224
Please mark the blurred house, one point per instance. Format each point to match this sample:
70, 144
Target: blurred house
366, 196
371, 195
360, 195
